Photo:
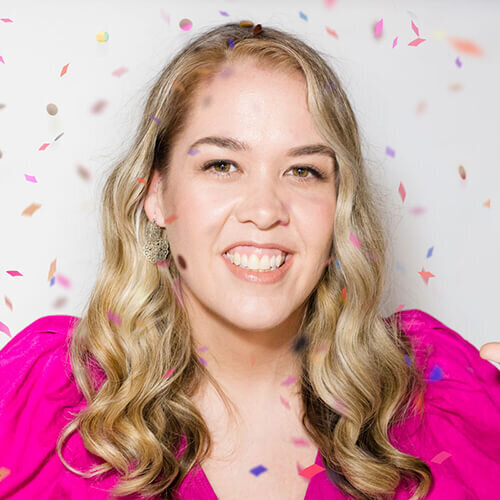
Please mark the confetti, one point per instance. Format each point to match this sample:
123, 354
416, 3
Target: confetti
395, 42
177, 290
6, 20
223, 13
331, 32
328, 3
487, 204
408, 361
378, 27
455, 87
390, 152
115, 318
289, 380
417, 210
182, 261
98, 106
9, 303
416, 42
169, 372
441, 457
284, 402
44, 146
414, 28
14, 273
344, 293
102, 36
402, 192
157, 120
429, 252
421, 106
120, 71
311, 471
59, 136
466, 46
202, 361
461, 171
436, 374
185, 24
1, 60
193, 152
5, 329
231, 42
256, 471
83, 172
31, 209
64, 70
426, 275
30, 178
141, 180
203, 349
171, 219
302, 15
458, 62
246, 24
63, 281
52, 269
300, 442
354, 240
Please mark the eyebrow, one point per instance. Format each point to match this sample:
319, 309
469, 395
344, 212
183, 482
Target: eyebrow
236, 145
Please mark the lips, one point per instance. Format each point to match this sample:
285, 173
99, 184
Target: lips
258, 245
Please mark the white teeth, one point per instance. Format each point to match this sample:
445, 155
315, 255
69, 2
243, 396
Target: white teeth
254, 263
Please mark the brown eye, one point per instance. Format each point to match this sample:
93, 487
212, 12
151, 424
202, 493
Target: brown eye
302, 169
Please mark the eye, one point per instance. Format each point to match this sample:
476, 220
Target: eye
214, 165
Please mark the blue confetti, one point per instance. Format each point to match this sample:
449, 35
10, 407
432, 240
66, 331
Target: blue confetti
407, 359
52, 281
337, 263
429, 252
302, 15
258, 470
436, 374
231, 42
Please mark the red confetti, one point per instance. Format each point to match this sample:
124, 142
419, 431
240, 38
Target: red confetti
171, 219
466, 46
9, 303
402, 192
99, 106
332, 32
311, 471
169, 372
44, 146
416, 42
64, 70
426, 275
140, 179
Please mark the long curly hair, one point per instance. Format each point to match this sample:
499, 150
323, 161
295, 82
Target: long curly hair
358, 372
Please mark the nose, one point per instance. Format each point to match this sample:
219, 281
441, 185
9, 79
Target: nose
263, 204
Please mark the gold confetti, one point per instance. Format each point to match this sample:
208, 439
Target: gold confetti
31, 209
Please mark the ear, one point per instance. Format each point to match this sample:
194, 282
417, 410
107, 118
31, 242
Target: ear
152, 205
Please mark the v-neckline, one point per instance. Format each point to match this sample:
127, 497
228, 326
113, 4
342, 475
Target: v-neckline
207, 487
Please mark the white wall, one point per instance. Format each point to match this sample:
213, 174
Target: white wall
384, 84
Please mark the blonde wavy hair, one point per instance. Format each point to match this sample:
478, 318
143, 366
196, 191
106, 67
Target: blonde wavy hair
358, 370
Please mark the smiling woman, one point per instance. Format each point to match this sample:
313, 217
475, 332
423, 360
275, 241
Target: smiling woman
245, 345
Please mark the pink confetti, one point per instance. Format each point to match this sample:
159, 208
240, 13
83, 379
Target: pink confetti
202, 361
99, 106
1, 59
395, 42
417, 210
9, 303
63, 281
414, 28
311, 471
284, 402
177, 290
169, 372
6, 20
328, 3
203, 349
44, 146
354, 240
441, 457
402, 192
119, 71
416, 42
5, 329
64, 70
390, 152
300, 442
115, 318
289, 380
378, 27
14, 273
332, 32
30, 178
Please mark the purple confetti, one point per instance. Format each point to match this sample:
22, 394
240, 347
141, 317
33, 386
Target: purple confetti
458, 62
156, 119
258, 470
193, 152
202, 361
231, 42
223, 13
389, 151
436, 374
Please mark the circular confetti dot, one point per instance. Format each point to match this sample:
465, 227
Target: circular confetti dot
102, 36
185, 24
52, 109
181, 261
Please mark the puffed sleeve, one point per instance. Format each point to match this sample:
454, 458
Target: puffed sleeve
37, 392
459, 436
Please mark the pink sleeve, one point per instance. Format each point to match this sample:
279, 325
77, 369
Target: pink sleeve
460, 434
37, 392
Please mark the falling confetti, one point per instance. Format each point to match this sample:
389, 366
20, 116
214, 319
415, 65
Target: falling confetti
302, 15
311, 471
156, 120
402, 192
5, 329
231, 42
436, 374
426, 275
378, 27
289, 380
461, 172
466, 46
115, 318
185, 24
44, 146
193, 152
414, 28
64, 70
102, 36
52, 269
141, 180
4, 472
30, 178
83, 172
284, 402
203, 349
395, 42
441, 457
455, 87
63, 281
328, 3
256, 471
408, 361
182, 261
14, 273
31, 209
390, 152
202, 361
487, 204
223, 13
169, 372
1, 60
416, 42
120, 71
6, 20
165, 16
458, 62
9, 303
98, 106
177, 290
171, 219
300, 442
257, 29
429, 252
421, 106
332, 32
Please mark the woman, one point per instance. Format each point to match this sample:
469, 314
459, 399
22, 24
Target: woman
245, 345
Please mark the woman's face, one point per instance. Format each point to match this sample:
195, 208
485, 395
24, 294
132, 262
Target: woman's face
259, 194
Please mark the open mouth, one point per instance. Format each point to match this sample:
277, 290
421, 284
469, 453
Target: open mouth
258, 266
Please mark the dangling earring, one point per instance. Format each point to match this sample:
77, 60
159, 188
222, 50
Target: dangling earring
156, 248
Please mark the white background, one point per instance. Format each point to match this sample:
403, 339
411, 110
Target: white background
385, 86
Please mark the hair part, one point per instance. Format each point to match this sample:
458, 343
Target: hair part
355, 382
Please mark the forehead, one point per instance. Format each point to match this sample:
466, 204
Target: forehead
259, 105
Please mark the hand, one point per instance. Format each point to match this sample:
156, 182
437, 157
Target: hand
491, 351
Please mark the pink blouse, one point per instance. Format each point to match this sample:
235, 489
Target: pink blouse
459, 438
